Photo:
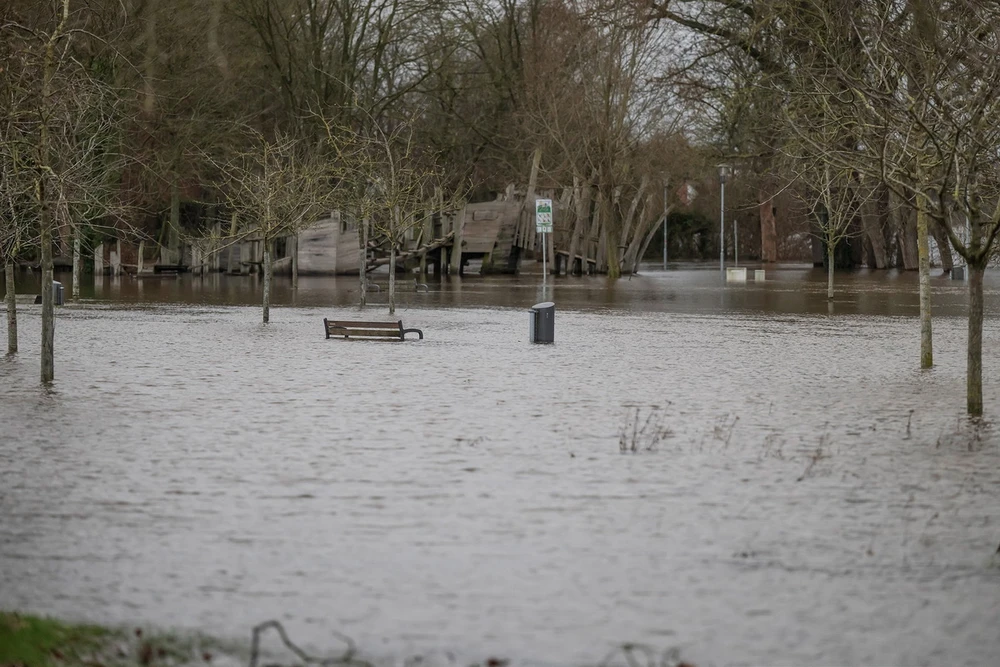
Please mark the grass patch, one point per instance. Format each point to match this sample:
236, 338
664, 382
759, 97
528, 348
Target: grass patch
31, 641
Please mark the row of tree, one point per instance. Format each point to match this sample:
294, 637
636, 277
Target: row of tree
850, 98
874, 113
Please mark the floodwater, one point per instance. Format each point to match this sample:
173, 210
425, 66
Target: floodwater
815, 498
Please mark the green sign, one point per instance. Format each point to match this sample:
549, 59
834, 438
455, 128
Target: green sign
543, 216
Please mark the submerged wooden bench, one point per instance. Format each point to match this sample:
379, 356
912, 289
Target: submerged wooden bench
387, 330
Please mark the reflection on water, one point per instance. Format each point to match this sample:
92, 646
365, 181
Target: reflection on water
816, 500
688, 288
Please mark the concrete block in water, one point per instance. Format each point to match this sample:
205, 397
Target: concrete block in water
736, 274
758, 275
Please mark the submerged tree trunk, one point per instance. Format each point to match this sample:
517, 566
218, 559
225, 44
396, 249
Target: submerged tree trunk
230, 265
630, 260
45, 201
905, 228
267, 282
879, 258
295, 261
48, 311
829, 270
645, 244
363, 261
768, 228
924, 255
76, 261
392, 278
974, 370
174, 233
943, 244
11, 308
581, 190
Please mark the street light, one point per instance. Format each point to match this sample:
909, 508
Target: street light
723, 174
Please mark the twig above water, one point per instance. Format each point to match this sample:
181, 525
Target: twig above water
347, 658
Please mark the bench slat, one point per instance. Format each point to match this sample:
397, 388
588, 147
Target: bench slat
350, 333
363, 325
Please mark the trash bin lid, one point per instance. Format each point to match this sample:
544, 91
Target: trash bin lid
547, 304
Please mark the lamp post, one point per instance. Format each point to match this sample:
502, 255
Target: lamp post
723, 174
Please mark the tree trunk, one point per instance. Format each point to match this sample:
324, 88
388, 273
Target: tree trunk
645, 244
974, 370
456, 248
630, 220
581, 190
631, 259
363, 262
768, 228
924, 254
11, 308
526, 217
943, 244
392, 278
45, 203
906, 231
295, 261
829, 270
229, 251
870, 220
267, 281
76, 261
173, 234
48, 312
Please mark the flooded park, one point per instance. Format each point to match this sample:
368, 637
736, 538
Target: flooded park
737, 472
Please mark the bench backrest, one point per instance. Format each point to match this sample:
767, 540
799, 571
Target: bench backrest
375, 329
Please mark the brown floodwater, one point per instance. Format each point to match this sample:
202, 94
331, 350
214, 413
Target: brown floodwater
815, 499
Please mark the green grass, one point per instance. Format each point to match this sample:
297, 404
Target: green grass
31, 641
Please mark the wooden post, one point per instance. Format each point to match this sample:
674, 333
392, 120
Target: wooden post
456, 249
363, 262
173, 234
99, 259
428, 237
246, 256
76, 261
216, 241
529, 199
229, 249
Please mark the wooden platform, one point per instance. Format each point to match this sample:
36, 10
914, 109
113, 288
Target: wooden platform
170, 268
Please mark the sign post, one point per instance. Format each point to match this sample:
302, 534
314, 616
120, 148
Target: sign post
543, 225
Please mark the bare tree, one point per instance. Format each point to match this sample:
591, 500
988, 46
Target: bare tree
923, 110
88, 160
387, 180
44, 56
276, 188
17, 211
594, 102
836, 198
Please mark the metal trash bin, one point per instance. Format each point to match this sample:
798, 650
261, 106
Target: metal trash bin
542, 323
58, 294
